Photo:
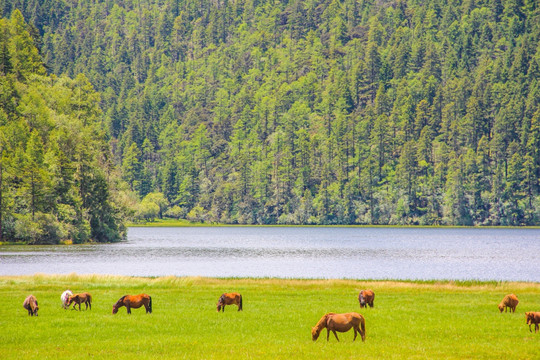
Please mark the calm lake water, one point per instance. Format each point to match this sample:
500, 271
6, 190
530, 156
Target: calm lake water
289, 252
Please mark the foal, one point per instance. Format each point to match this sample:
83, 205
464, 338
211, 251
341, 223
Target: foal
84, 298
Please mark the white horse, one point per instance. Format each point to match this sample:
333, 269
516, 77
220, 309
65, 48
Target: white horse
65, 298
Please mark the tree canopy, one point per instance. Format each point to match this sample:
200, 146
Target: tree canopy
56, 177
296, 111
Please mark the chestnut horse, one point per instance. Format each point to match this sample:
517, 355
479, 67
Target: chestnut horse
342, 323
82, 298
366, 297
65, 298
509, 301
229, 299
30, 304
135, 302
533, 318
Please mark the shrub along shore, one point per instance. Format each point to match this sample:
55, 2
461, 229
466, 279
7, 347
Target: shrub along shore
411, 319
168, 222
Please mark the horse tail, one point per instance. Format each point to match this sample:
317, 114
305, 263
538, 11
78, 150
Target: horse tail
240, 306
150, 304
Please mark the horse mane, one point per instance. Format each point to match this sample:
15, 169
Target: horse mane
121, 299
322, 322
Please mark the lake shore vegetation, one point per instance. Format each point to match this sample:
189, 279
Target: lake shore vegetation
410, 319
57, 181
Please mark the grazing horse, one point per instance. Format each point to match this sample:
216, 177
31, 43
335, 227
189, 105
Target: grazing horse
229, 299
30, 304
509, 301
135, 302
533, 318
342, 323
366, 297
65, 298
77, 299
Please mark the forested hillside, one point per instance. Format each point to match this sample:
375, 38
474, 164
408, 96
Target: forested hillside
315, 111
55, 171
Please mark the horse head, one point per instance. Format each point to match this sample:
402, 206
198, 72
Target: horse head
528, 316
501, 307
118, 304
315, 333
362, 299
221, 303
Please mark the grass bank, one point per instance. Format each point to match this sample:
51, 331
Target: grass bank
410, 320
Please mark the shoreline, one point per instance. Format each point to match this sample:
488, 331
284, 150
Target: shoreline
186, 223
398, 283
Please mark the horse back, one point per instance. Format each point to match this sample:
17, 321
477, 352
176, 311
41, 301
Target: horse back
230, 298
533, 317
29, 301
510, 300
137, 300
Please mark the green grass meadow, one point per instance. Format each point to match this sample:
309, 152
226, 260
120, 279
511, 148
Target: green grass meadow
410, 320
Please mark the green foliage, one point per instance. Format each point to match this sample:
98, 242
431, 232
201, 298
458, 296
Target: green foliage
323, 112
54, 159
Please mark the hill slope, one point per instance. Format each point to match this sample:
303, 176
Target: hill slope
324, 112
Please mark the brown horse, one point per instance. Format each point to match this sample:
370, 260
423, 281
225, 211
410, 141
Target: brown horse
342, 323
509, 301
135, 302
366, 297
229, 299
78, 299
30, 304
533, 318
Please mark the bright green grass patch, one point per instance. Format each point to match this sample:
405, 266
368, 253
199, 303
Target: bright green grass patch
410, 320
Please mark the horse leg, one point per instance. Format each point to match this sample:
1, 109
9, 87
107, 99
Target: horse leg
354, 338
128, 309
327, 334
335, 334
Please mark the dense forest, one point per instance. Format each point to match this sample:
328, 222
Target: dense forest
300, 111
56, 177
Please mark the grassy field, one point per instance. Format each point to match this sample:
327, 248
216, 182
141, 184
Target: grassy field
410, 320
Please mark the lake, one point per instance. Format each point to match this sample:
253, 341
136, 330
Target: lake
295, 252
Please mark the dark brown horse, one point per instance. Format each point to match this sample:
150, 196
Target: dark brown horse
135, 302
229, 299
533, 318
78, 299
366, 297
30, 304
509, 301
342, 323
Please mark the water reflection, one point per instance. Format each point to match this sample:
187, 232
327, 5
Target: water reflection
375, 253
